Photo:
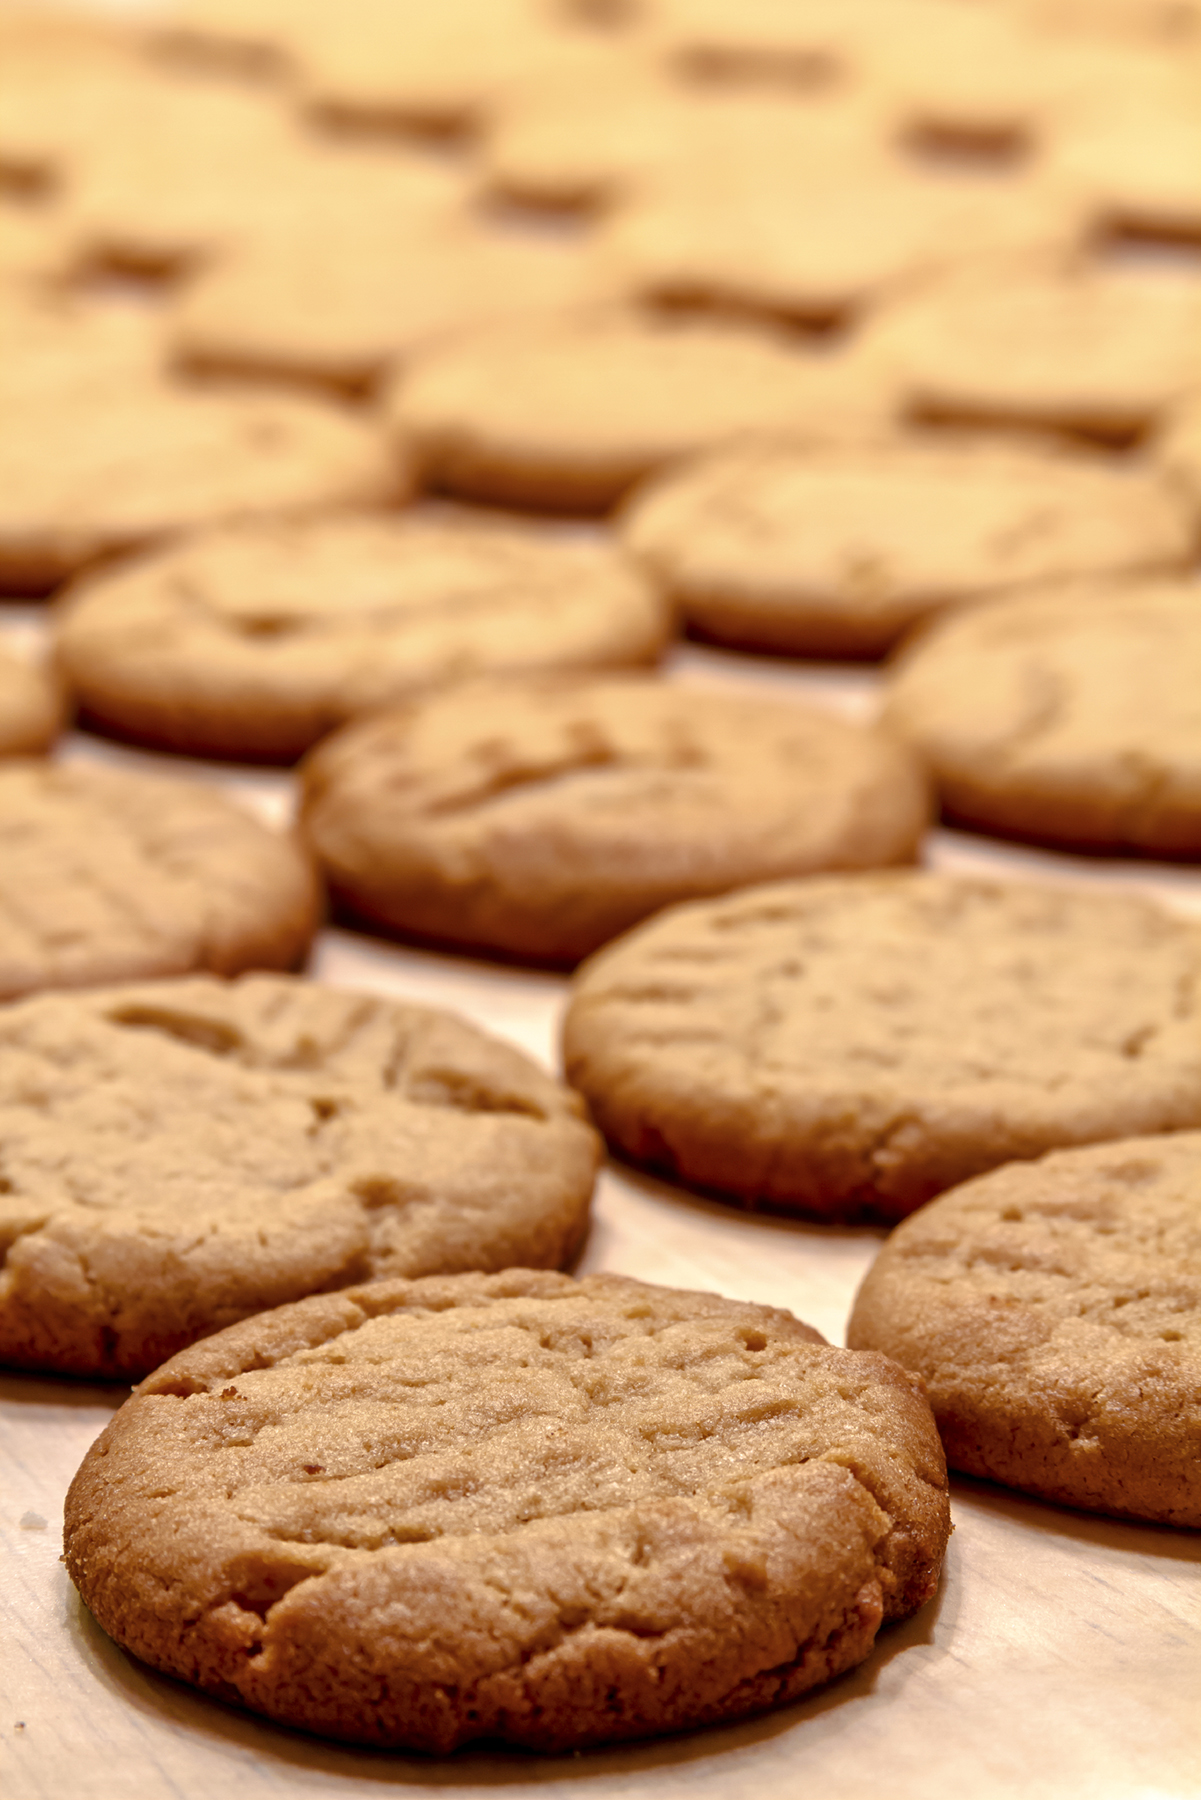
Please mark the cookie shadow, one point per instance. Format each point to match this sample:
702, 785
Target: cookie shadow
714, 1204
172, 1704
1095, 1530
20, 1389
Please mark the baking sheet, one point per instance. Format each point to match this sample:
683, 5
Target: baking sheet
1061, 1656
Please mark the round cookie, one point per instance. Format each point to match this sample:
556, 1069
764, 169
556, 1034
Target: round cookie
573, 133
257, 640
424, 68
570, 413
795, 213
1178, 449
540, 817
515, 1507
31, 707
1098, 351
835, 551
1071, 717
182, 1154
847, 1047
1053, 1310
372, 296
111, 876
90, 472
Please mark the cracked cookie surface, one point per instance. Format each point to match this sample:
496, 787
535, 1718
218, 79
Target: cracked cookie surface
109, 876
511, 1506
782, 546
257, 641
568, 413
848, 1047
1053, 1310
177, 1155
1074, 718
542, 816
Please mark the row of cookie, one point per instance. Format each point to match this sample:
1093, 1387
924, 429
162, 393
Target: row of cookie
540, 814
556, 1512
572, 115
102, 450
180, 1154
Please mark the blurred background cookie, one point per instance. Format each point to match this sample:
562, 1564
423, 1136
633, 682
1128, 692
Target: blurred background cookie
32, 708
569, 414
254, 642
811, 550
109, 876
1072, 717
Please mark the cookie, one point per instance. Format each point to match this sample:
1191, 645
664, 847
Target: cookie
785, 547
111, 876
371, 297
979, 79
541, 817
63, 75
257, 640
569, 414
1097, 351
772, 43
1053, 1310
795, 212
1177, 450
177, 168
32, 243
1133, 155
31, 707
514, 1507
573, 133
1068, 717
419, 68
113, 466
60, 347
182, 1154
847, 1047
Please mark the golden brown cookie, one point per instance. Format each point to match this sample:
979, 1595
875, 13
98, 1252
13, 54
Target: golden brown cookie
1053, 1310
372, 296
576, 131
569, 414
178, 167
179, 1155
540, 817
1177, 450
257, 640
31, 707
836, 551
1071, 717
515, 1507
428, 68
801, 46
1097, 350
63, 77
849, 1046
60, 346
1132, 153
110, 876
116, 464
802, 213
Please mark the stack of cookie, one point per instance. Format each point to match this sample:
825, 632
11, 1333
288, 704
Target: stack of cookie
391, 391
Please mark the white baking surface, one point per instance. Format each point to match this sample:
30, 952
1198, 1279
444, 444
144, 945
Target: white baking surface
1061, 1657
